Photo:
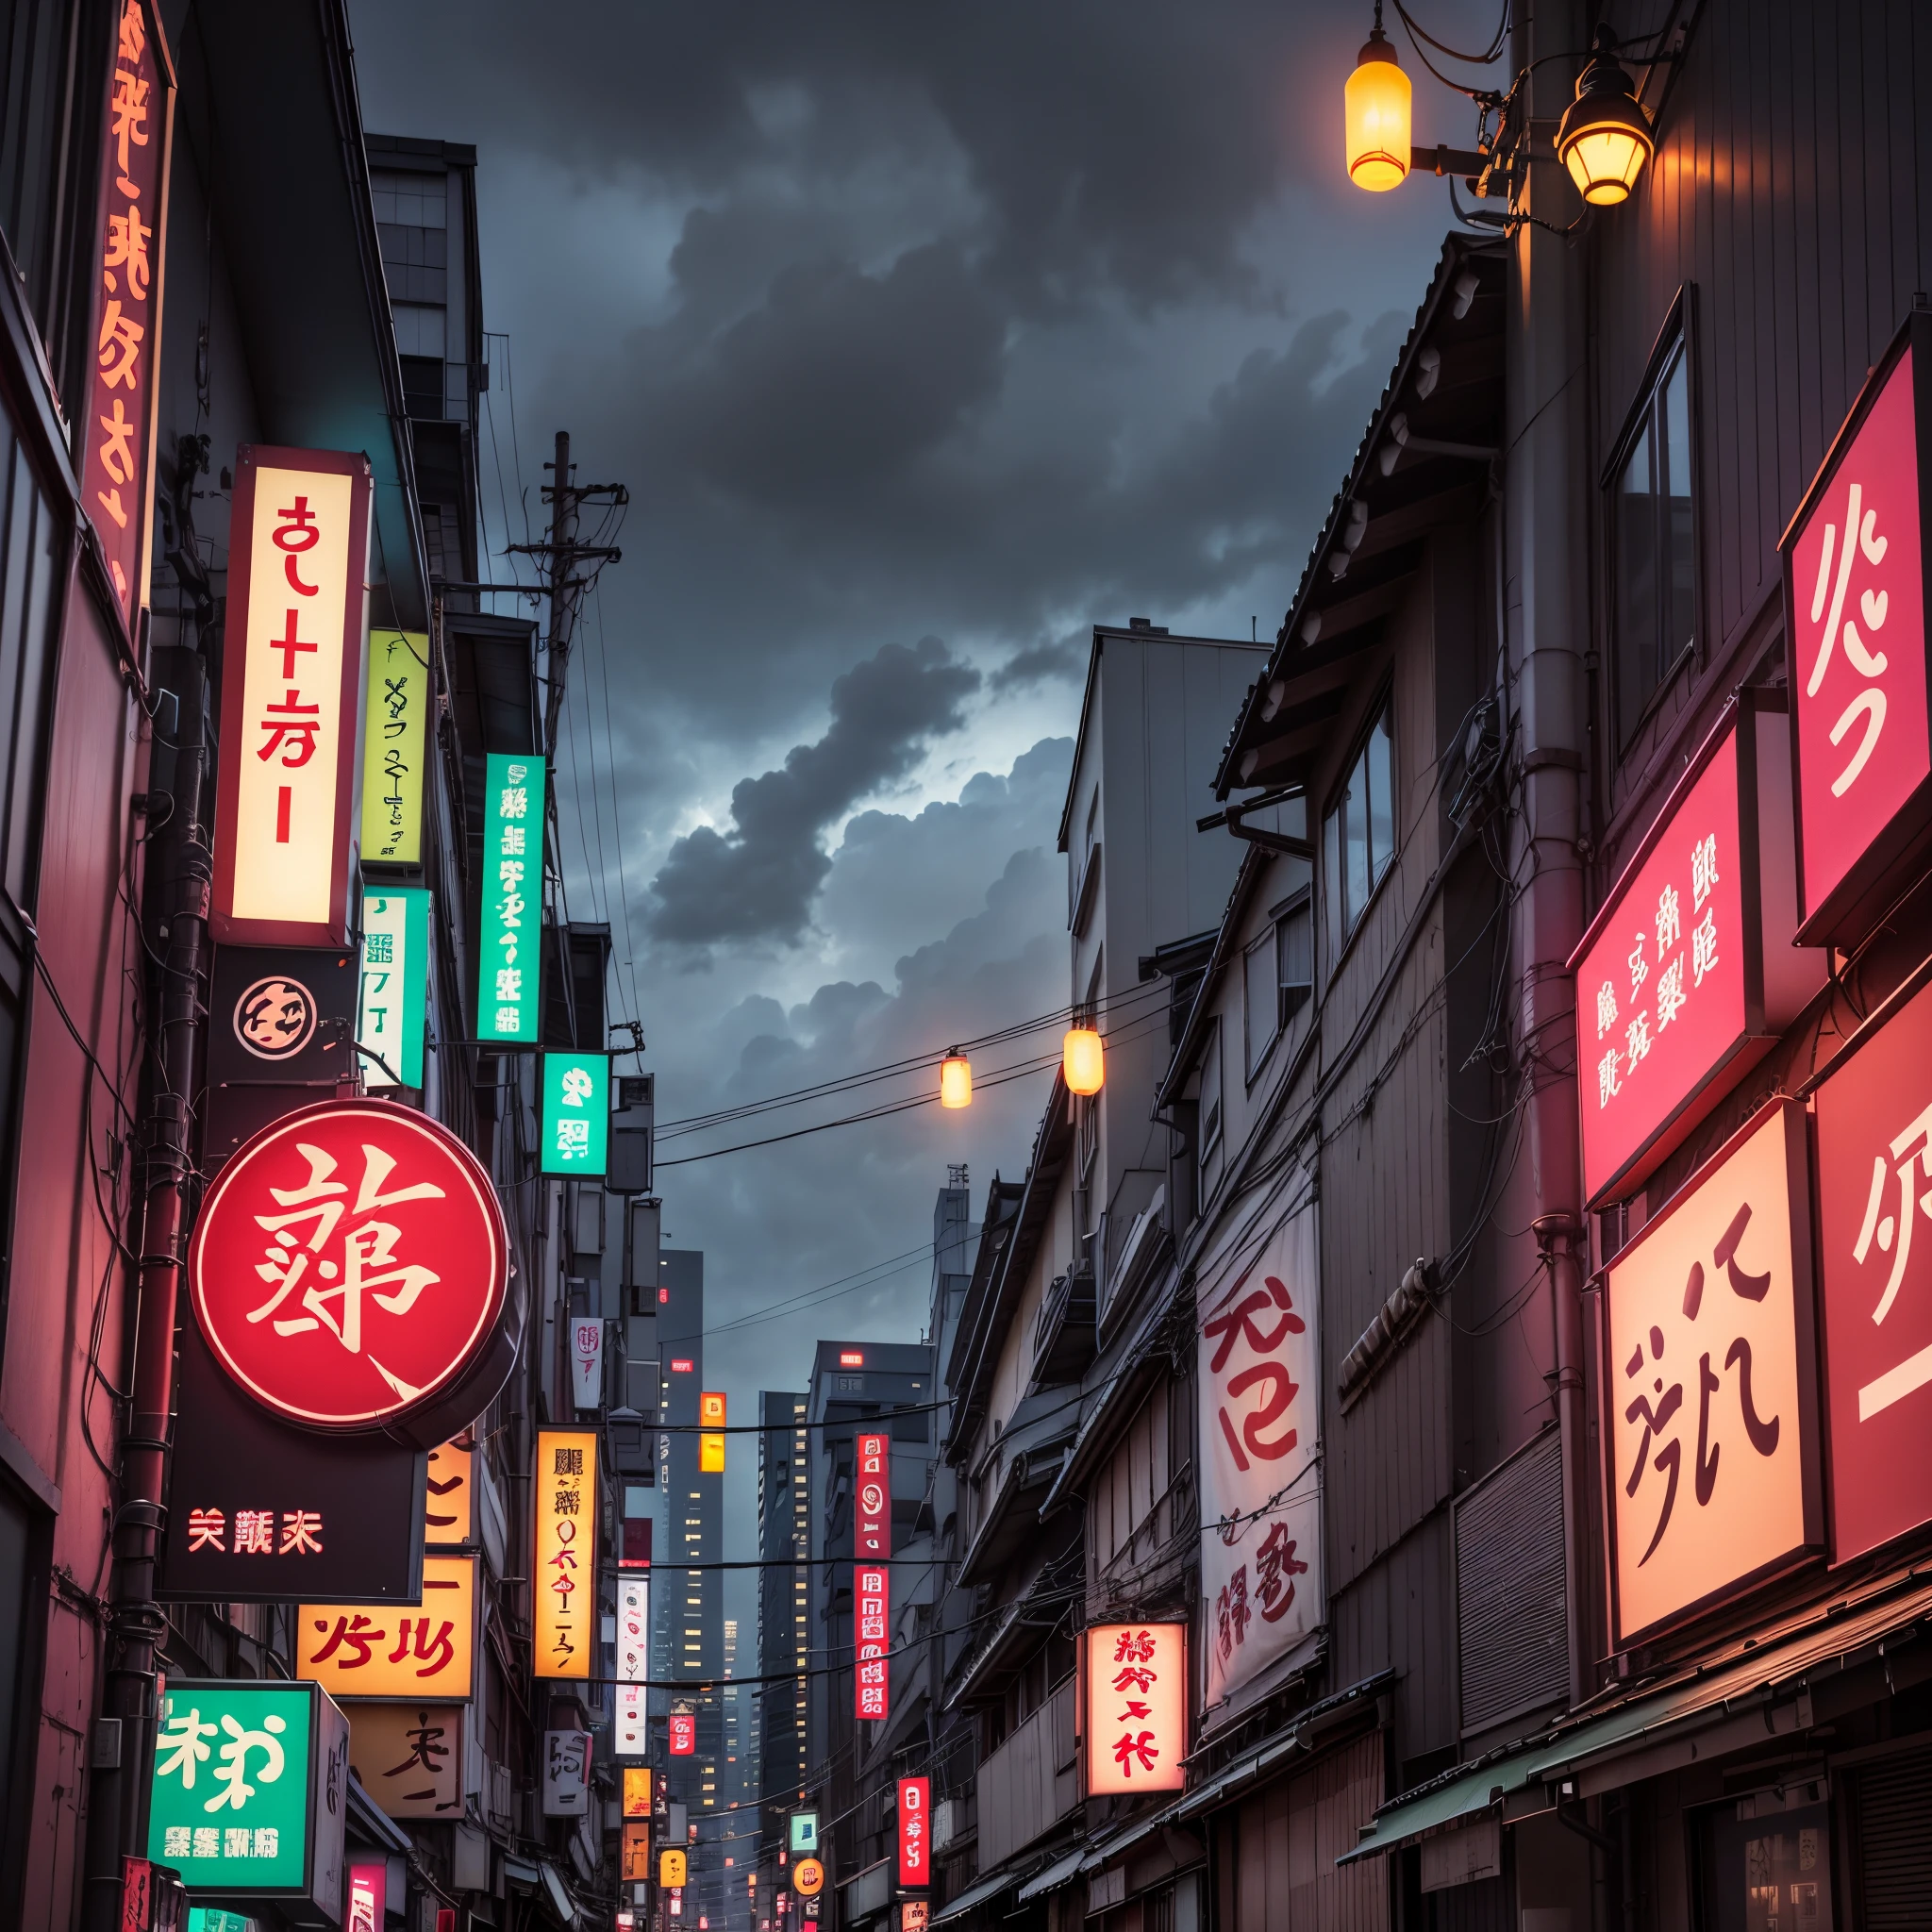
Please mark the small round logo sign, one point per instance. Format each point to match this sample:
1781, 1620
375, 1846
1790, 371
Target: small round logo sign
351, 1265
276, 1018
807, 1878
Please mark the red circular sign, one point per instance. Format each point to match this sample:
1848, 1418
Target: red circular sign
351, 1264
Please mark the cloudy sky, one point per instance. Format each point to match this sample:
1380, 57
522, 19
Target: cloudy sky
925, 338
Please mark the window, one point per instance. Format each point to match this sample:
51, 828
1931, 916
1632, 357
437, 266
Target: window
1653, 569
1358, 833
1261, 997
1296, 940
1210, 1095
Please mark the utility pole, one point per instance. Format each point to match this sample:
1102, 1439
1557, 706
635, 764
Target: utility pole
561, 556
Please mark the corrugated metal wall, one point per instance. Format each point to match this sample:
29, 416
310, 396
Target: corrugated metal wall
1287, 1838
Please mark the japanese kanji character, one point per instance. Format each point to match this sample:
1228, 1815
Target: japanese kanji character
116, 447
1231, 1613
1226, 1327
206, 1530
1606, 1008
1637, 1040
1703, 869
1136, 1677
1763, 1435
565, 1502
379, 949
1134, 1647
1130, 1746
1704, 948
119, 347
510, 982
573, 1140
1284, 1390
576, 1087
182, 1746
177, 1840
432, 1652
128, 108
254, 1532
426, 1748
133, 43
358, 1633
1910, 1149
1607, 1087
301, 1533
512, 802
207, 1841
1276, 1566
507, 1019
1670, 920
297, 533
128, 240
1669, 994
232, 1766
289, 644
567, 1462
1639, 966
292, 729
268, 1841
237, 1842
1669, 1460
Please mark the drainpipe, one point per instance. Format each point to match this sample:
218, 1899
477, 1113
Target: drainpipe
1547, 631
180, 852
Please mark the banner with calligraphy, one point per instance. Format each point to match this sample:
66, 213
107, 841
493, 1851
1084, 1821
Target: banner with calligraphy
392, 1016
1854, 613
1133, 1708
872, 1523
1259, 1432
410, 1758
508, 961
1873, 1112
117, 462
393, 747
564, 1576
1709, 1428
872, 1633
915, 1831
291, 697
426, 1650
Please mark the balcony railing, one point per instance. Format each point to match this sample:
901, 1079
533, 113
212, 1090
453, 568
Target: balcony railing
1031, 1782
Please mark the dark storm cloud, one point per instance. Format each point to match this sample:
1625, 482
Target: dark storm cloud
1039, 663
757, 881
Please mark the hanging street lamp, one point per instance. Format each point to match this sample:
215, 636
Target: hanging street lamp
1375, 106
956, 1080
1605, 137
1082, 1062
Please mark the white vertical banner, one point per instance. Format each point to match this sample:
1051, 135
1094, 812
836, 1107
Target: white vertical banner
631, 1732
1259, 1377
587, 1359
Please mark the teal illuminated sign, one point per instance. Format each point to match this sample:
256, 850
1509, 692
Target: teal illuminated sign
577, 1112
395, 979
509, 953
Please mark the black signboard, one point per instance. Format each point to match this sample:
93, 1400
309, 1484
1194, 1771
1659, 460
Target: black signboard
281, 1023
261, 1512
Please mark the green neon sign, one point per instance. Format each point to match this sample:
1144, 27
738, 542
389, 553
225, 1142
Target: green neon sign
509, 955
577, 1113
395, 980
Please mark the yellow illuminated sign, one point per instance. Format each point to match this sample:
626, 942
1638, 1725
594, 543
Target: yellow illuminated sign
637, 1790
672, 1867
711, 1455
447, 1516
393, 747
564, 1581
424, 1652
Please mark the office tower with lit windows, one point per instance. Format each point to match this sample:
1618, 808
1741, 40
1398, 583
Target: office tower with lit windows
784, 1606
688, 1607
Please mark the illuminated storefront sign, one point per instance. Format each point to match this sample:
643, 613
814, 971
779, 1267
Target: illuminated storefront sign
873, 1530
410, 1758
636, 1852
1708, 1410
1134, 1704
684, 1734
577, 1112
368, 1898
1874, 1186
711, 1436
391, 1014
630, 1733
915, 1831
565, 1578
393, 747
871, 1628
117, 473
292, 698
1259, 1435
424, 1651
250, 1792
672, 1867
587, 1360
1854, 611
1688, 974
448, 1505
566, 1774
381, 1300
508, 966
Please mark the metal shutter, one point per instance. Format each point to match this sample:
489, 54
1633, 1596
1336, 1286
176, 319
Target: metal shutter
1894, 1821
1509, 1588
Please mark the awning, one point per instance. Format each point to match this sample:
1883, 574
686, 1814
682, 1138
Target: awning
1760, 1690
1063, 1870
1302, 1735
977, 1895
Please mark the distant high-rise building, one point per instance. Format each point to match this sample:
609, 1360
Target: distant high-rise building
784, 1604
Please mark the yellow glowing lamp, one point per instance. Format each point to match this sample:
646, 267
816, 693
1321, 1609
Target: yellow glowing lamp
956, 1080
1603, 138
1082, 1062
1376, 108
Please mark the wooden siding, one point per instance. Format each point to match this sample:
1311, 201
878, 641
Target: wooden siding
1031, 1782
1399, 1613
1282, 1875
1789, 188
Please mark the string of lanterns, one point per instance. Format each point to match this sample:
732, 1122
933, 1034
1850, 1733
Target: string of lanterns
1083, 1066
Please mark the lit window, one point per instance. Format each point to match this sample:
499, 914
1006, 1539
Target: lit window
1359, 834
